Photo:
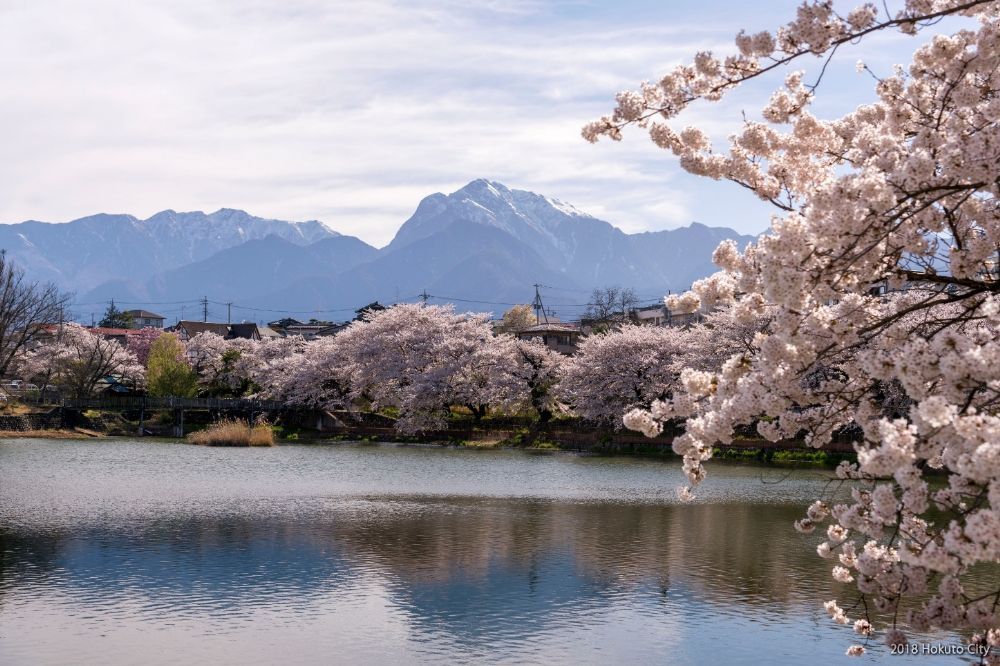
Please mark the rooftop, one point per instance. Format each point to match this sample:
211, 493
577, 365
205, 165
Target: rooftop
145, 314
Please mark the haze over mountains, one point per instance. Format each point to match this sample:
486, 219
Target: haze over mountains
482, 246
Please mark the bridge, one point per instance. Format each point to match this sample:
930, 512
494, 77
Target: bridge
139, 403
145, 404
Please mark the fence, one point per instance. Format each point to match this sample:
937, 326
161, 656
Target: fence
124, 403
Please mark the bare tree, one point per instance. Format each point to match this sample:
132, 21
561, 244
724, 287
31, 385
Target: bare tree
25, 305
610, 306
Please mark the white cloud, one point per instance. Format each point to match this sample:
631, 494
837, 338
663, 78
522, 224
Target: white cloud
345, 112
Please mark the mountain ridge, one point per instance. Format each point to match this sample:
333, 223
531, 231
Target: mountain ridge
484, 244
89, 250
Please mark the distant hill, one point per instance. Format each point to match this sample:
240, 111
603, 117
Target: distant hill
84, 253
242, 273
482, 246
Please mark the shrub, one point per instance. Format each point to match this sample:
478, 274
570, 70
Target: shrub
234, 432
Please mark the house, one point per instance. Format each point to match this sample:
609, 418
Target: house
113, 385
314, 329
659, 315
268, 332
245, 330
653, 315
332, 329
186, 330
555, 335
145, 319
116, 334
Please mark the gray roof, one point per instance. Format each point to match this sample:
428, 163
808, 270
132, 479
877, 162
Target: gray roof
551, 327
193, 328
146, 314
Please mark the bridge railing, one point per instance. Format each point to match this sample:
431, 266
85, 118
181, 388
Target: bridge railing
147, 402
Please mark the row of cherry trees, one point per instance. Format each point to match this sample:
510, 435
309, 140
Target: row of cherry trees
414, 360
420, 361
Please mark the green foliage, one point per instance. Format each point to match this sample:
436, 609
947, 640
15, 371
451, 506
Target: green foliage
167, 372
768, 455
115, 318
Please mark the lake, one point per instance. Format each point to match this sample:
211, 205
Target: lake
124, 552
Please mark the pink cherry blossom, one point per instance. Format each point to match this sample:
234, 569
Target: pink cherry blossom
901, 195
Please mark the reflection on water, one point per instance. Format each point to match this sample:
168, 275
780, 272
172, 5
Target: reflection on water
119, 552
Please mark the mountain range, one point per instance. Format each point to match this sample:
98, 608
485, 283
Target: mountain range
482, 247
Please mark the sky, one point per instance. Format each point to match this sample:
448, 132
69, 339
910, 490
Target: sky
352, 112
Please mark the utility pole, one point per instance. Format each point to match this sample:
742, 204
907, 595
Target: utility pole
229, 312
204, 308
424, 296
539, 306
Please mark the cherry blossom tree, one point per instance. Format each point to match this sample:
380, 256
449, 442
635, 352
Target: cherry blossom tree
255, 365
241, 366
899, 194
624, 369
372, 364
538, 370
317, 376
718, 336
482, 379
141, 342
205, 353
78, 360
420, 360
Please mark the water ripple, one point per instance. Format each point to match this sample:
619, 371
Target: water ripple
121, 552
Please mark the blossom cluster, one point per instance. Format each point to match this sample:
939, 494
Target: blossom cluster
78, 360
881, 281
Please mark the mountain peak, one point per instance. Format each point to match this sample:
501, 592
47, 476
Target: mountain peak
530, 217
482, 186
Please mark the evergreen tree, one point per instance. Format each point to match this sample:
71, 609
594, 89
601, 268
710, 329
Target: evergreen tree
115, 318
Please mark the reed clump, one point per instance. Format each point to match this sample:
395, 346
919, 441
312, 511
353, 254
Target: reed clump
233, 432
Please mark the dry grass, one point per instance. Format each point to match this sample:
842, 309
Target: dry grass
483, 443
17, 408
76, 433
232, 432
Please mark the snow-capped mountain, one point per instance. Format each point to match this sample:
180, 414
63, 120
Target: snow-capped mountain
586, 250
530, 218
86, 252
483, 246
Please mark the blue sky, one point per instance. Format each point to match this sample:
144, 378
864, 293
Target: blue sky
351, 112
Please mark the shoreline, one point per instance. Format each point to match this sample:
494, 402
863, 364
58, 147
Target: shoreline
54, 433
772, 455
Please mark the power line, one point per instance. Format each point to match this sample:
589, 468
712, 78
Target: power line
542, 312
193, 300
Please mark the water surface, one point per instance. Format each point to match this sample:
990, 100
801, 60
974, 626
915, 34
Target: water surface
123, 552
